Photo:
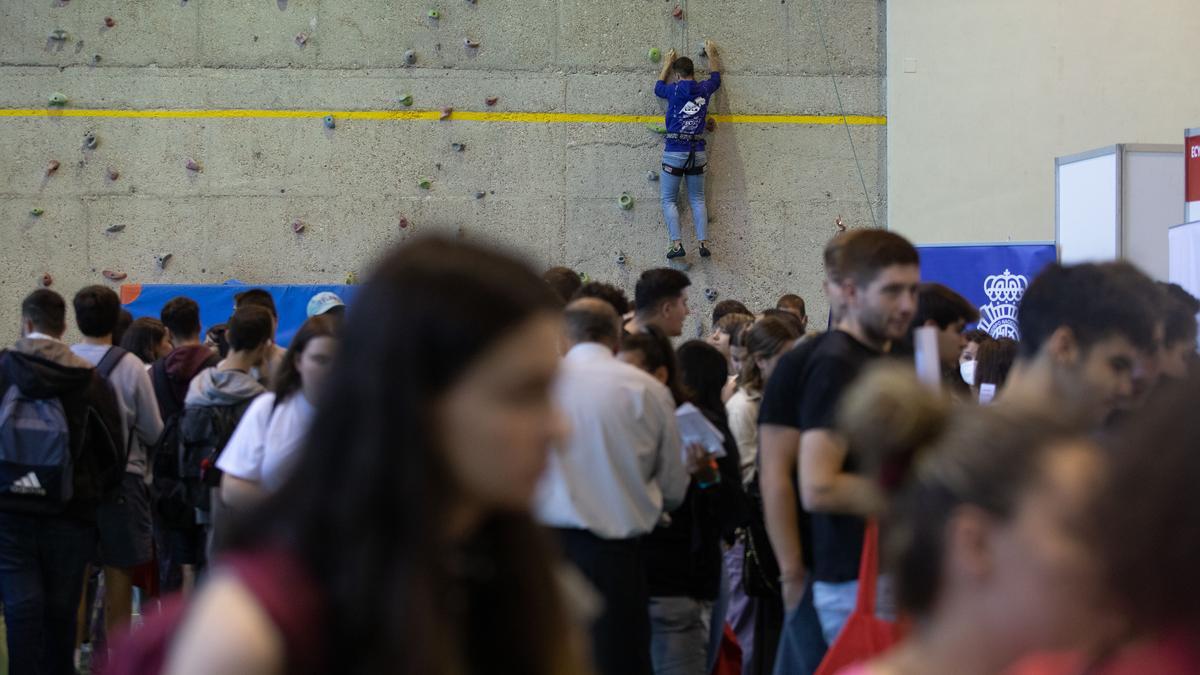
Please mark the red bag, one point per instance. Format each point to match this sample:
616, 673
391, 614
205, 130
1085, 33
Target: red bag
865, 636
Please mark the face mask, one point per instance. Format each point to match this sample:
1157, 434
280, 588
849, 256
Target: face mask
967, 368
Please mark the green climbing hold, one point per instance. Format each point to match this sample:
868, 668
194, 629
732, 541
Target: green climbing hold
425, 184
406, 100
36, 211
655, 54
434, 14
351, 278
625, 200
657, 128
58, 99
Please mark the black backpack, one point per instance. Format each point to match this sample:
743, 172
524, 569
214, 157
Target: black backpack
203, 433
173, 501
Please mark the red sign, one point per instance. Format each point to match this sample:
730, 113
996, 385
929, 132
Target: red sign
1192, 155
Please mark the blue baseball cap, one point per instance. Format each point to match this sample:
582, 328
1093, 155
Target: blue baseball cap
323, 302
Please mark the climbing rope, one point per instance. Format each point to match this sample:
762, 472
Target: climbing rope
842, 110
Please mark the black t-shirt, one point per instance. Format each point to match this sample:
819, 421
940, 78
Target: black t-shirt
804, 393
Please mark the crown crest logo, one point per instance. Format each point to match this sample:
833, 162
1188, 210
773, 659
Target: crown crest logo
999, 316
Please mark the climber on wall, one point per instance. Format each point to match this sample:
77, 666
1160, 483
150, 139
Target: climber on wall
684, 156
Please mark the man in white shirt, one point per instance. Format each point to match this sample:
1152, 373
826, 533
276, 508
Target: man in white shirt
125, 521
612, 479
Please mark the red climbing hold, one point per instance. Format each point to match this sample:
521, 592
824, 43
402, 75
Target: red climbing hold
192, 165
114, 276
297, 226
403, 222
108, 21
678, 13
113, 174
446, 113
710, 125
52, 167
47, 280
491, 100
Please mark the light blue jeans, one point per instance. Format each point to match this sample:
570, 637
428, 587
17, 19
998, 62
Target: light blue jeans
679, 635
835, 603
695, 188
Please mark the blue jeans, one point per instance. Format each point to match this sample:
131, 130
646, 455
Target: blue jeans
41, 580
802, 644
835, 603
695, 188
679, 632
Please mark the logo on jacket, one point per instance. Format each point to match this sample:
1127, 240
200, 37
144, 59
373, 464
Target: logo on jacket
692, 107
999, 316
28, 485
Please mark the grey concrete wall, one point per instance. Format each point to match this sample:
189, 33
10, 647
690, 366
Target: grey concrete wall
774, 190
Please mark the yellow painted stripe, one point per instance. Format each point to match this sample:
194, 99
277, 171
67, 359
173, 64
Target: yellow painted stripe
465, 115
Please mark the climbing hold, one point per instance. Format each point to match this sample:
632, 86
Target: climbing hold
434, 14
425, 184
657, 128
351, 278
58, 99
620, 258
298, 226
113, 174
410, 57
841, 227
95, 59
109, 22
652, 176
405, 100
113, 229
655, 54
403, 222
36, 211
446, 113
301, 39
52, 166
710, 125
58, 35
47, 280
89, 141
458, 147
678, 12
491, 100
471, 2
480, 195
710, 293
114, 276
329, 123
625, 201
161, 260
192, 165
471, 44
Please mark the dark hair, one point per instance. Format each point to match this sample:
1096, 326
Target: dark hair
181, 316
763, 339
977, 336
124, 321
1181, 310
657, 286
943, 306
732, 325
683, 66
286, 380
1091, 300
220, 335
793, 301
787, 317
933, 458
249, 327
143, 337
703, 372
564, 280
97, 309
606, 292
46, 310
860, 255
257, 297
994, 360
365, 508
1142, 514
726, 307
655, 347
592, 320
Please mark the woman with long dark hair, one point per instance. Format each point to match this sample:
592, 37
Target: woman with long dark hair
402, 541
146, 338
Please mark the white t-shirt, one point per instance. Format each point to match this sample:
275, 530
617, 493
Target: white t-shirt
267, 440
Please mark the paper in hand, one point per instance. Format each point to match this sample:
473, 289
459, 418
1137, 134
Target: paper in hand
695, 429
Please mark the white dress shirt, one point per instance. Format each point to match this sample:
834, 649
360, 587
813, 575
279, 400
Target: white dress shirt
621, 465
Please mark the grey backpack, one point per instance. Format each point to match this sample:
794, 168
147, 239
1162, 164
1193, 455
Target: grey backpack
37, 472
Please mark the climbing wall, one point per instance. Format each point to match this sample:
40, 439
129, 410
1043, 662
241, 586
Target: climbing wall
294, 140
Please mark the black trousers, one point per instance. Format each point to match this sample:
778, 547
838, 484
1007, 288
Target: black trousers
621, 635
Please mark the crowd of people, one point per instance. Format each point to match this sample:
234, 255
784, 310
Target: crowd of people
477, 469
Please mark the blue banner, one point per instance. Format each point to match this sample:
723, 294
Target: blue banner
993, 278
216, 302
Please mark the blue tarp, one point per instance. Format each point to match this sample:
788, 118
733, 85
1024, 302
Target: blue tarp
216, 301
993, 277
